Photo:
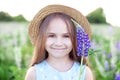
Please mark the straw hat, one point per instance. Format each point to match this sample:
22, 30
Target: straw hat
35, 23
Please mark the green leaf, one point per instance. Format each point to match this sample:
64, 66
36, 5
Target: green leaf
92, 51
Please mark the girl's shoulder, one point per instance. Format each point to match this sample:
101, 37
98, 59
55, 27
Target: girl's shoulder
31, 74
41, 64
89, 74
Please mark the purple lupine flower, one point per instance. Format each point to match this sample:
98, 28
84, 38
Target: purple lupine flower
117, 77
109, 56
112, 66
83, 42
92, 45
118, 45
106, 65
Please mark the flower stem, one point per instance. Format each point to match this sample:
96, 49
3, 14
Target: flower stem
80, 68
81, 63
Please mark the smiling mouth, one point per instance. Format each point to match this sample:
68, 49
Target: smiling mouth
59, 48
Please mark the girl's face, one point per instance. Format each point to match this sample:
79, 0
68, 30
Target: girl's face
58, 43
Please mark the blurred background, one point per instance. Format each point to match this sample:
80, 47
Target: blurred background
16, 49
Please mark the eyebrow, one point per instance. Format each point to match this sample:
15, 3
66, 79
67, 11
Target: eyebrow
54, 33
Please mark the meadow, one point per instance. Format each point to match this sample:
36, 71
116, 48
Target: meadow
16, 51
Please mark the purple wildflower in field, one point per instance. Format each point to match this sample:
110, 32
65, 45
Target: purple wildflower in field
106, 65
83, 43
109, 56
117, 77
92, 45
112, 66
118, 45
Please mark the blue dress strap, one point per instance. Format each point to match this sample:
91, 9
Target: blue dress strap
37, 72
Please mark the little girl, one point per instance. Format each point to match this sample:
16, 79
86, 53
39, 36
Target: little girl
54, 34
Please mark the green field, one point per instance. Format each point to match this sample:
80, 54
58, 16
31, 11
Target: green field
16, 51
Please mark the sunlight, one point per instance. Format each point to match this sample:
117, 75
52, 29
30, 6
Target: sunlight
28, 8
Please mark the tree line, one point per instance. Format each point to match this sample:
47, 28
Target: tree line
4, 16
97, 16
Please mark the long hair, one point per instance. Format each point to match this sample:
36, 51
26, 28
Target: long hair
40, 53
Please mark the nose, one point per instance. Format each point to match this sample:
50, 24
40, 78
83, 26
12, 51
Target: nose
58, 42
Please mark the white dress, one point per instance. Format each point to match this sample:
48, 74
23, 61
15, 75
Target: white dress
45, 72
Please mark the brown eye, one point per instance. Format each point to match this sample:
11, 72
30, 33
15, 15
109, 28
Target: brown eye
51, 35
66, 36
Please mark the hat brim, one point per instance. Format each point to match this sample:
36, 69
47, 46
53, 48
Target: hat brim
75, 14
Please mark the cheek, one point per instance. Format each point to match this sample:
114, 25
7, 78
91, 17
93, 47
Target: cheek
48, 42
68, 43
